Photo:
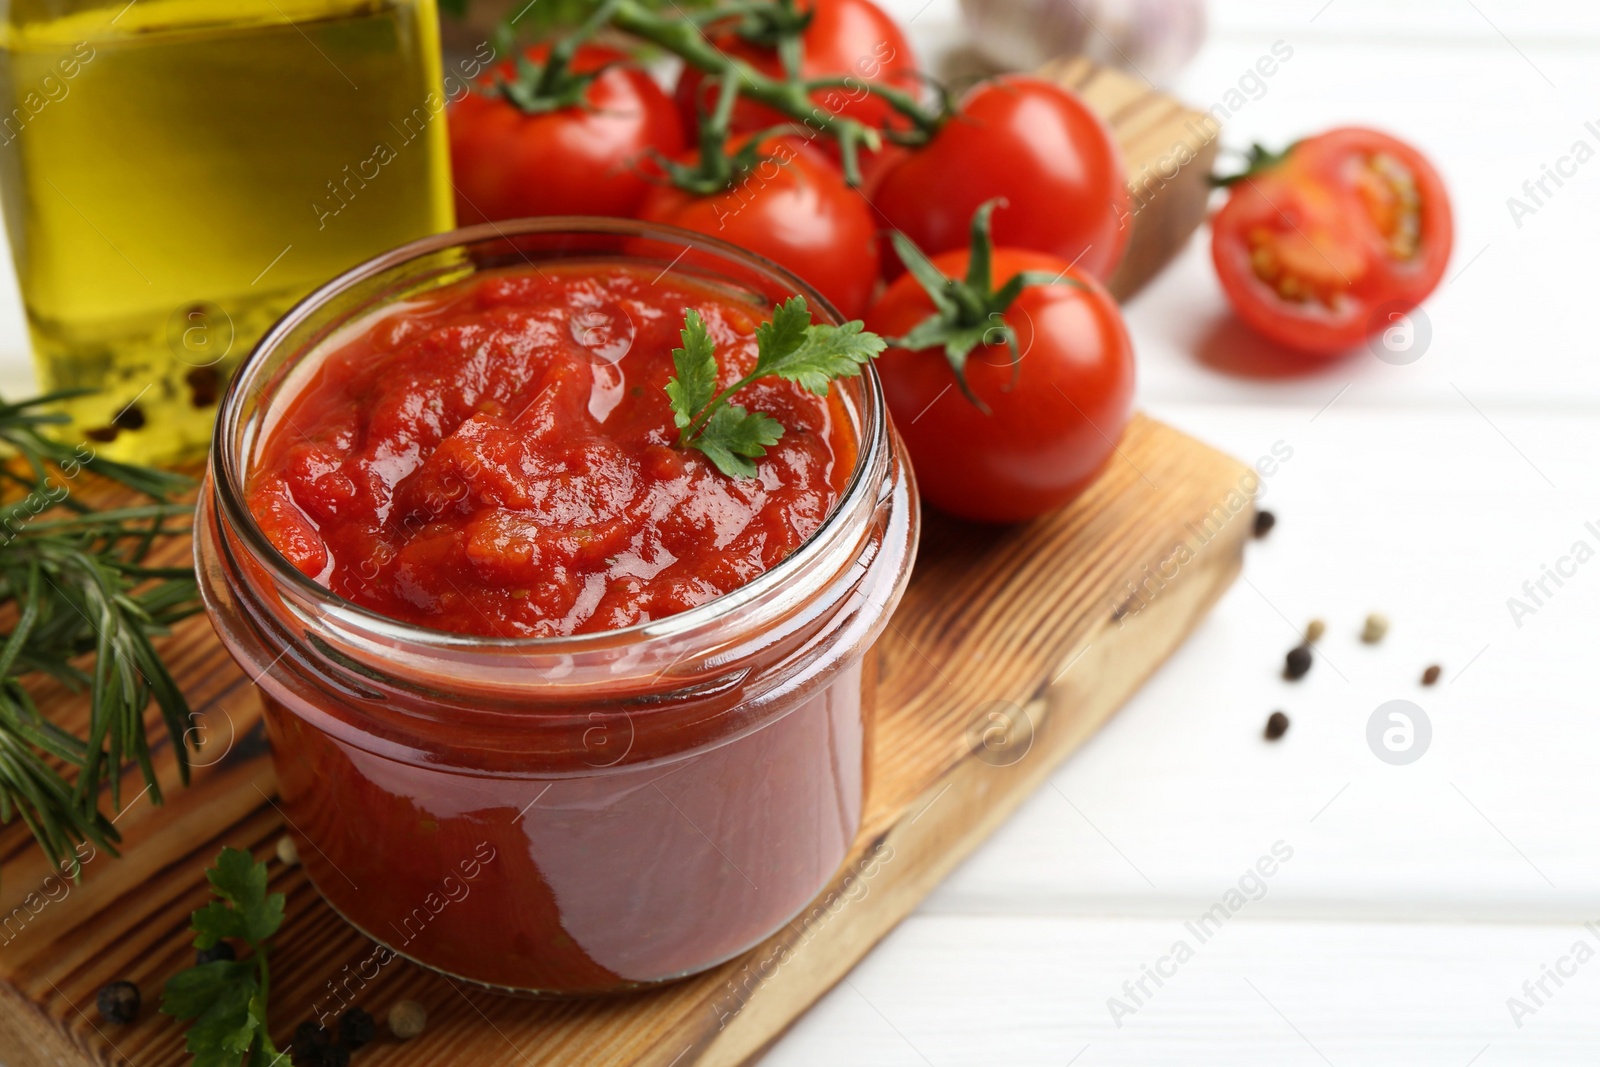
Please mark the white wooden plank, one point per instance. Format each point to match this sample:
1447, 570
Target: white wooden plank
1425, 21
1514, 325
1435, 520
1024, 991
1558, 23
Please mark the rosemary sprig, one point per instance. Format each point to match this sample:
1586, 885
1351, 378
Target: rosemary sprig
85, 607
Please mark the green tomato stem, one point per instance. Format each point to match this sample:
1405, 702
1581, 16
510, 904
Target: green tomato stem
926, 123
684, 38
554, 78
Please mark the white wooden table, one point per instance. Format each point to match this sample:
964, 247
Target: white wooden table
1418, 898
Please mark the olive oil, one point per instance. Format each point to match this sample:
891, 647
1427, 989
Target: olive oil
176, 173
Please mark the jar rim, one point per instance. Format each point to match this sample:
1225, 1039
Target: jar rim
228, 469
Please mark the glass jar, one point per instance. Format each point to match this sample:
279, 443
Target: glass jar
177, 173
578, 814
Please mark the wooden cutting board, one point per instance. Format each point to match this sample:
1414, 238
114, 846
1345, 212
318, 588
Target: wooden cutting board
1011, 647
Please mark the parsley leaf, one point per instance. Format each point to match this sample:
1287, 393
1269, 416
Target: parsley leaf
734, 436
227, 999
789, 346
797, 351
696, 365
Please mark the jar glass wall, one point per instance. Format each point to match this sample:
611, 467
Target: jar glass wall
573, 814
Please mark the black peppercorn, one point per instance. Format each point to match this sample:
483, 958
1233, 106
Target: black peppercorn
222, 950
119, 1003
1265, 521
310, 1041
356, 1028
1277, 726
1297, 662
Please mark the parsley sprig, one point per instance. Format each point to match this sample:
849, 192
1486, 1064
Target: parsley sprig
227, 999
789, 346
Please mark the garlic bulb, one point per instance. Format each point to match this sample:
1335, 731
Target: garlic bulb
1152, 38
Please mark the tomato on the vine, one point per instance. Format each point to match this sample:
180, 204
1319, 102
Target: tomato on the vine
792, 207
1012, 400
574, 158
1035, 145
847, 39
1331, 242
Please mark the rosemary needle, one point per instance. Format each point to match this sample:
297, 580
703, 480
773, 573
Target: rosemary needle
85, 607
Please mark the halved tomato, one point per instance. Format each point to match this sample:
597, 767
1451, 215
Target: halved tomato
1321, 247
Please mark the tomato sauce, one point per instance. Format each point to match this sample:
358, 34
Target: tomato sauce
498, 458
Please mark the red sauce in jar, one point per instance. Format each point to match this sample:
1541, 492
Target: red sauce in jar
497, 458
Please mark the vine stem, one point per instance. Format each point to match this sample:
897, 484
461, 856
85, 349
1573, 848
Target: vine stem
683, 38
714, 131
564, 50
926, 125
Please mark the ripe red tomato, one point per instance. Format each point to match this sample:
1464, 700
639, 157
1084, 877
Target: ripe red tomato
794, 209
1322, 248
1036, 146
845, 38
568, 161
1047, 432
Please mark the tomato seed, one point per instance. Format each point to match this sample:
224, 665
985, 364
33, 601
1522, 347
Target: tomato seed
1375, 627
1314, 631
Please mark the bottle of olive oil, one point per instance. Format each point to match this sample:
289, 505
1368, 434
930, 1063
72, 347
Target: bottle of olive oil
176, 173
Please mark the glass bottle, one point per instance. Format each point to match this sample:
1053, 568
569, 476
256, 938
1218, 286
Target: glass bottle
177, 173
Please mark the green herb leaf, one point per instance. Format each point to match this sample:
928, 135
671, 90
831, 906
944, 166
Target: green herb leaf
789, 346
793, 349
227, 999
733, 437
242, 882
695, 383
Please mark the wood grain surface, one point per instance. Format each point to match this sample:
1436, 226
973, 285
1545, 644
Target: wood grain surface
1011, 646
